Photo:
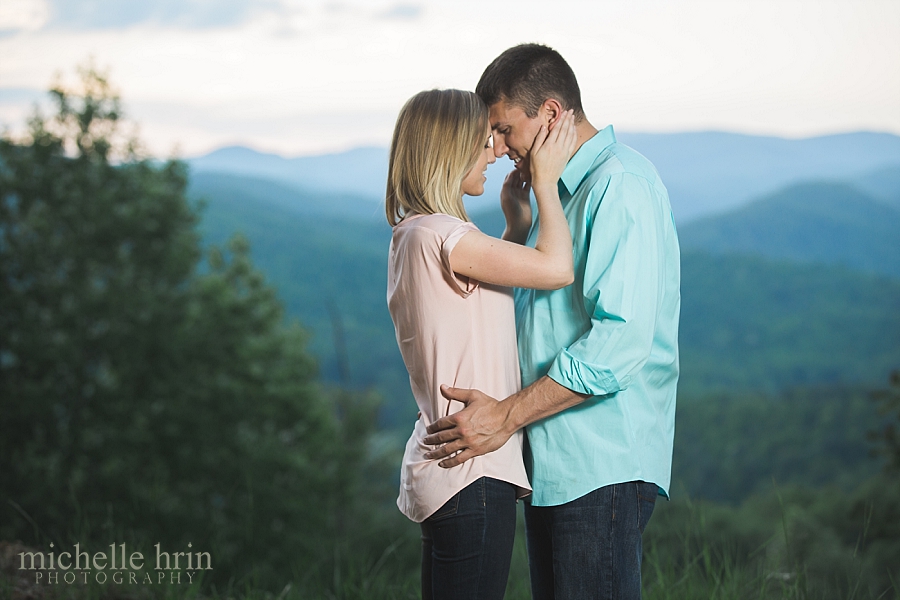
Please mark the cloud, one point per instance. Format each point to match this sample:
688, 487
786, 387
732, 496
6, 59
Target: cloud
22, 15
108, 15
403, 11
188, 14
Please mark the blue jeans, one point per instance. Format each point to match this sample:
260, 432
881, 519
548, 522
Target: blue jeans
467, 544
590, 548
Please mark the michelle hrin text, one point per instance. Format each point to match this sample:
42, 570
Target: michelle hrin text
116, 565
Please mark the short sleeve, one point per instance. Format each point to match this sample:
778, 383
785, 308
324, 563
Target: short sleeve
464, 285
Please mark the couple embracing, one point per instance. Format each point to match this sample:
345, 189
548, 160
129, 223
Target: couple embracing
544, 363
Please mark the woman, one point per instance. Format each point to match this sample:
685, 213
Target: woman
453, 314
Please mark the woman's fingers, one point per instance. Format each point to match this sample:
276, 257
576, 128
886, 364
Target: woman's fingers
567, 131
560, 135
571, 138
553, 134
552, 150
539, 139
563, 127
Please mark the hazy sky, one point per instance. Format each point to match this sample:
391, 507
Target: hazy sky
303, 77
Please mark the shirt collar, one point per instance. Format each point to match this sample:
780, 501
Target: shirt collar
579, 164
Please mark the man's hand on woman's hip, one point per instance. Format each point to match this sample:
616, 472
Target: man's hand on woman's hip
479, 428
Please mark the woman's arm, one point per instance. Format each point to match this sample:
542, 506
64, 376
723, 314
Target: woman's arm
549, 264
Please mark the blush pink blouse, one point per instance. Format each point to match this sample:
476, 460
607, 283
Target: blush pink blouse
455, 331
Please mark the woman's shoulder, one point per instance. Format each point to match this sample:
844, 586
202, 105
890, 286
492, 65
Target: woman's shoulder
440, 224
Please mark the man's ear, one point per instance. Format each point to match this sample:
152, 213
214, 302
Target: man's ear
551, 110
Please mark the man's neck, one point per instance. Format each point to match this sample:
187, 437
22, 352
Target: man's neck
585, 131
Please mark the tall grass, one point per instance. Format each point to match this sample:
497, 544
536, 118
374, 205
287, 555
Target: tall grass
791, 544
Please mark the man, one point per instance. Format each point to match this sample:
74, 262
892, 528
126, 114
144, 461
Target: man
599, 358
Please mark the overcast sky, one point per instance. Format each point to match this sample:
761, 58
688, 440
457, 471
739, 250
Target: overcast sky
306, 77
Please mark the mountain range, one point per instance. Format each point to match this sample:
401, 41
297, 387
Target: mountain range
706, 173
800, 285
817, 222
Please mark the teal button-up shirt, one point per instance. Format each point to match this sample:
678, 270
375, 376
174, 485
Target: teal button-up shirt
613, 333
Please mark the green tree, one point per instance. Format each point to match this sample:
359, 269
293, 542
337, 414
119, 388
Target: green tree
144, 398
888, 436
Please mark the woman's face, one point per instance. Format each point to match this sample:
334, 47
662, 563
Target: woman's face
473, 184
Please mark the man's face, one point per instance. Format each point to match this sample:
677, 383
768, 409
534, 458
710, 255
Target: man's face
514, 133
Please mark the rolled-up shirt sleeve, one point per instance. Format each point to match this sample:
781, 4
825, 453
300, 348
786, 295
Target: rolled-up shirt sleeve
622, 289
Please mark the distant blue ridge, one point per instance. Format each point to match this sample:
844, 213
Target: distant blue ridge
706, 173
816, 222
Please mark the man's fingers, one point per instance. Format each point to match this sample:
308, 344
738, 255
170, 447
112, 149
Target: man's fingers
441, 424
457, 460
441, 436
452, 430
459, 394
445, 450
449, 422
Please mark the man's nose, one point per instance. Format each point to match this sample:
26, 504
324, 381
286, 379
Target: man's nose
499, 147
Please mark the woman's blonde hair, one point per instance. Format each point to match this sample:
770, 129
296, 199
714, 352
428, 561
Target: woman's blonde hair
436, 142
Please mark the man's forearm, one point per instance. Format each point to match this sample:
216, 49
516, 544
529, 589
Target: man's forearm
541, 399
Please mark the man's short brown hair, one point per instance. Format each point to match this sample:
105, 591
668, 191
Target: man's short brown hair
528, 74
